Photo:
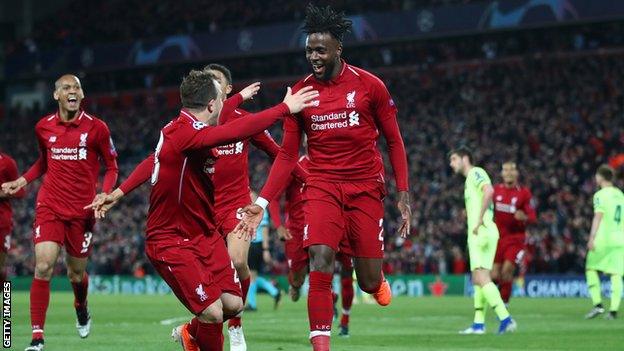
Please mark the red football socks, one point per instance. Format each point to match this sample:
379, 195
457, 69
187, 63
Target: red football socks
80, 292
236, 321
39, 301
209, 336
320, 304
347, 299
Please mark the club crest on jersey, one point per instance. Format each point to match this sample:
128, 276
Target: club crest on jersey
199, 125
83, 139
199, 290
351, 99
52, 139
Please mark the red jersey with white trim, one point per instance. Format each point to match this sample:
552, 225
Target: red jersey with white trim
182, 196
231, 178
70, 155
507, 201
342, 129
8, 172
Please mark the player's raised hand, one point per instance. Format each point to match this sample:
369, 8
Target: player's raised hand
283, 233
252, 216
301, 99
13, 187
250, 91
405, 209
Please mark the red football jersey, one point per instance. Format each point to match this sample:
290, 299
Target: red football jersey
507, 201
8, 172
231, 178
69, 157
342, 129
182, 196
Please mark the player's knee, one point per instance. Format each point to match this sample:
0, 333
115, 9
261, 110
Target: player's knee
369, 286
322, 261
43, 270
212, 314
75, 276
232, 308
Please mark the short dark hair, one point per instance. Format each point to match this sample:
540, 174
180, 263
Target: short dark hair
606, 172
326, 19
197, 89
461, 152
221, 68
510, 161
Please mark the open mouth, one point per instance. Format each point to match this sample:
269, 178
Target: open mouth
72, 101
318, 69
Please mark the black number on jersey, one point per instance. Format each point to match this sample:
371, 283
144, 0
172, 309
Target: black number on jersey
618, 214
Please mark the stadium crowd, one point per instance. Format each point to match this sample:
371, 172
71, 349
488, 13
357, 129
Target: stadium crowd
79, 23
558, 128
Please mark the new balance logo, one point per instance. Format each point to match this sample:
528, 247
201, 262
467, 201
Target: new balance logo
199, 290
52, 139
316, 103
351, 99
354, 119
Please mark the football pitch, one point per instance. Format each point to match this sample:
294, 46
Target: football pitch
144, 323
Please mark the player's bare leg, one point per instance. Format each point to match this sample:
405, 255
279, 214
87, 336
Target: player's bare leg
371, 279
347, 293
46, 254
320, 302
238, 249
481, 278
77, 274
506, 280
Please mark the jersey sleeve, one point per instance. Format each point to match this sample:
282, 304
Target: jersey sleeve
107, 152
480, 178
529, 207
275, 213
200, 135
599, 203
40, 166
285, 161
12, 174
229, 105
385, 112
139, 175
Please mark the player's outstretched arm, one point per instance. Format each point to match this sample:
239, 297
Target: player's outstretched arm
230, 104
12, 173
255, 123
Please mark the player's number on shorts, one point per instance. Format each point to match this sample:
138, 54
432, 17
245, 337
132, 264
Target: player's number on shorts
618, 214
156, 168
86, 242
236, 279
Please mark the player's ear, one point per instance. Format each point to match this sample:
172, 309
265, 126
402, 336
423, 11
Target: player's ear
228, 89
339, 50
55, 94
81, 93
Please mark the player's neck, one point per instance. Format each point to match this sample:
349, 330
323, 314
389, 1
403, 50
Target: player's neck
605, 185
68, 116
467, 170
511, 185
337, 70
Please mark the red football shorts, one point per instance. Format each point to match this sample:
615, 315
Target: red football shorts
296, 255
510, 248
227, 218
75, 234
197, 270
337, 210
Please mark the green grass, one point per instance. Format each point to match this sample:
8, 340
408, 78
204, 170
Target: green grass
134, 323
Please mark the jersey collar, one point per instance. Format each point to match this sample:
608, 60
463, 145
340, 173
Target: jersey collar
76, 122
185, 114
